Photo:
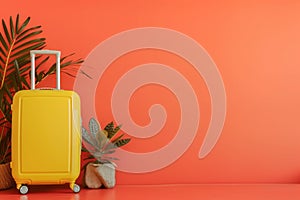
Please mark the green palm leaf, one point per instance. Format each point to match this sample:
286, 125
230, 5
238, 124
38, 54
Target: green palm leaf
12, 28
25, 23
3, 44
27, 40
9, 39
36, 30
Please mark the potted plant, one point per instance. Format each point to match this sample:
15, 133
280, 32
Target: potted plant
16, 42
6, 180
100, 146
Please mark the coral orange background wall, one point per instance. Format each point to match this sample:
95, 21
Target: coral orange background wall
254, 44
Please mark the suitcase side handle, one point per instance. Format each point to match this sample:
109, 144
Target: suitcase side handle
32, 56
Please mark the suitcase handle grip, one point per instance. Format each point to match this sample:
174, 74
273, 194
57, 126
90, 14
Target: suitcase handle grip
53, 52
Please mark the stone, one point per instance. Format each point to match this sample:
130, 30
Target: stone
97, 175
91, 180
106, 173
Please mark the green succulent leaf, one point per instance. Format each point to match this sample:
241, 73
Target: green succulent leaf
108, 151
110, 146
102, 140
88, 137
94, 126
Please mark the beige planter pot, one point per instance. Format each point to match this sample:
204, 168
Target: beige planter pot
97, 175
6, 179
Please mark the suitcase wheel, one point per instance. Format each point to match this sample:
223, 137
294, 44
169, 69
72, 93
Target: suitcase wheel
23, 189
75, 188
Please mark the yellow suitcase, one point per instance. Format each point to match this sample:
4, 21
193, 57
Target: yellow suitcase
46, 134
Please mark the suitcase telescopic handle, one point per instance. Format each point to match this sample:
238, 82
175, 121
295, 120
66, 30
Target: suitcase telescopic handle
53, 52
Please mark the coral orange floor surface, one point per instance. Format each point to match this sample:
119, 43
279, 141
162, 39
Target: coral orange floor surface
132, 192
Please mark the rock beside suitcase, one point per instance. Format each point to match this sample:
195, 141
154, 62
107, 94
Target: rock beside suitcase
97, 175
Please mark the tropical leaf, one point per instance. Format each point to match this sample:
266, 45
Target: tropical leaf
12, 28
5, 46
25, 23
115, 131
5, 148
17, 77
8, 38
84, 73
64, 63
15, 47
28, 33
122, 142
109, 127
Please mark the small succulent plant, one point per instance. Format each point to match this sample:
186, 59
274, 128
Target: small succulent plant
100, 144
